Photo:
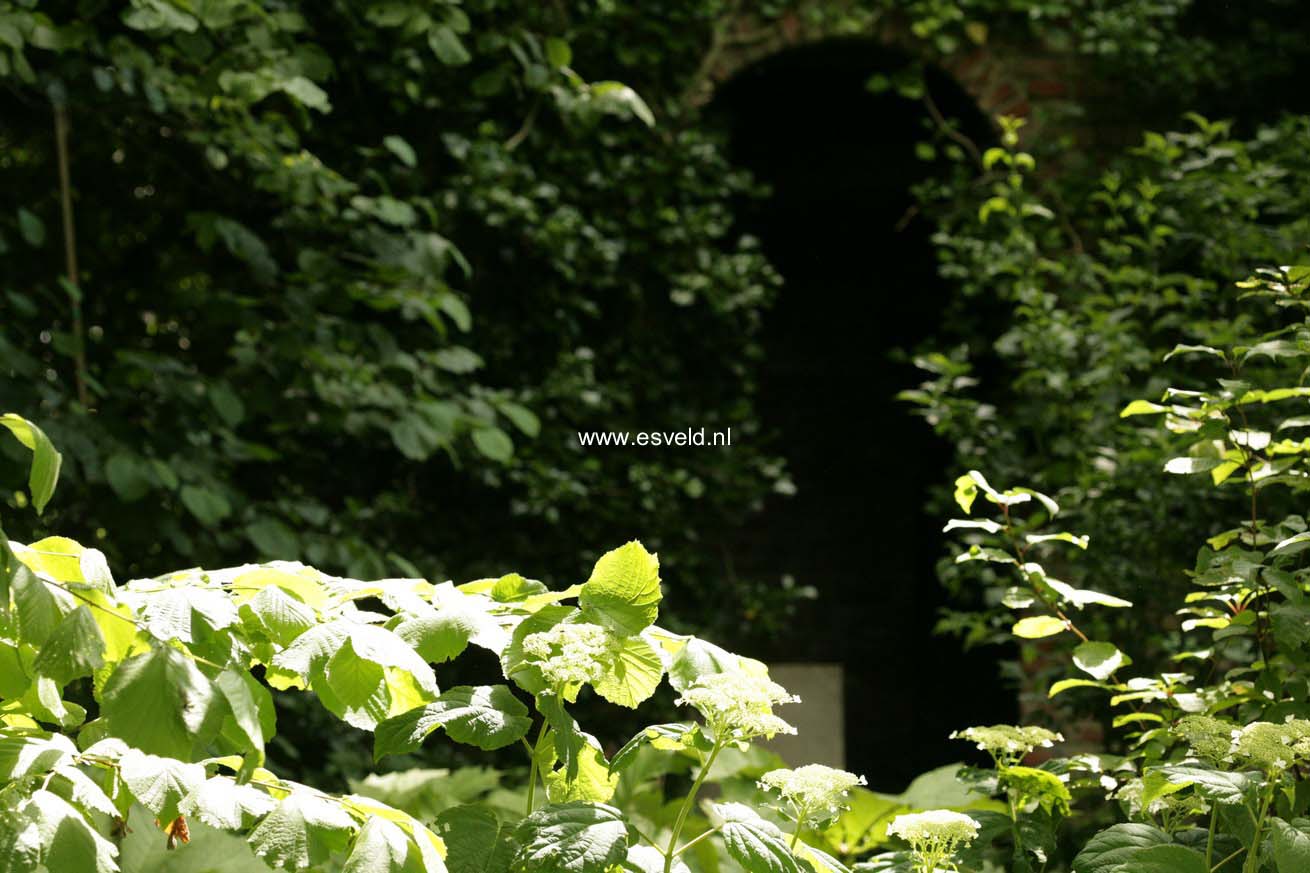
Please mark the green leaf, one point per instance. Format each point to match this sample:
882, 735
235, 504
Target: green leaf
158, 702
1167, 859
1142, 407
381, 847
63, 839
1291, 844
966, 491
44, 472
522, 417
129, 476
1109, 850
227, 404
757, 845
1217, 785
209, 507
623, 592
304, 829
1182, 349
223, 803
439, 637
667, 737
636, 674
280, 615
1099, 660
571, 838
401, 149
699, 658
30, 227
489, 717
494, 443
159, 784
477, 841
23, 756
240, 690
558, 52
591, 779
74, 649
647, 859
1038, 626
1185, 466
447, 46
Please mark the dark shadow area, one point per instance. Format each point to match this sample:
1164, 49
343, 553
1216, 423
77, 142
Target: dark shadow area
860, 283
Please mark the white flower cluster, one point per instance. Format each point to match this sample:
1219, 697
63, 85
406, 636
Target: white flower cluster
935, 835
817, 793
572, 654
1008, 743
740, 702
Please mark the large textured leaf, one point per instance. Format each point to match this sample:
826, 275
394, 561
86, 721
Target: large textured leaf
382, 847
158, 702
636, 674
304, 829
647, 859
220, 802
623, 592
22, 756
1116, 846
571, 838
1217, 785
74, 649
1291, 844
39, 608
159, 784
477, 841
590, 780
280, 615
57, 833
1167, 859
488, 716
441, 636
757, 845
700, 658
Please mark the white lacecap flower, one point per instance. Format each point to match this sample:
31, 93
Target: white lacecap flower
572, 653
935, 834
737, 700
817, 792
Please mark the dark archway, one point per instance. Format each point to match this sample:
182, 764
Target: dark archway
860, 283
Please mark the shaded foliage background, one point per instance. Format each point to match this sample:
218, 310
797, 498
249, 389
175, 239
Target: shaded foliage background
352, 275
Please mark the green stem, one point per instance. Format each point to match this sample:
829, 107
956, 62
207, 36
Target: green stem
670, 852
1253, 856
694, 840
800, 822
532, 769
1209, 840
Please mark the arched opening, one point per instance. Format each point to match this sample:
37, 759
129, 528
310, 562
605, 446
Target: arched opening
860, 283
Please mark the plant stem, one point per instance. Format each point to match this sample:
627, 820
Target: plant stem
670, 852
800, 822
70, 253
532, 768
1253, 856
693, 841
1209, 840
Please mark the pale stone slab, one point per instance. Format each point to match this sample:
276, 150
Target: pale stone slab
820, 717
